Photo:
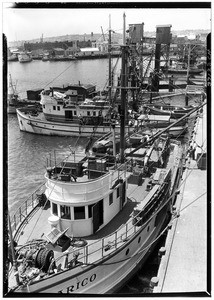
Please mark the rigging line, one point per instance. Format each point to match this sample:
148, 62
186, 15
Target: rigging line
58, 76
192, 202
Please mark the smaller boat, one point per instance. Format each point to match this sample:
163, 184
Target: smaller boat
175, 112
24, 57
180, 69
104, 145
45, 57
12, 57
14, 101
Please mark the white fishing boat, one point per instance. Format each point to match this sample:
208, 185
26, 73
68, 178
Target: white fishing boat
24, 56
63, 114
94, 223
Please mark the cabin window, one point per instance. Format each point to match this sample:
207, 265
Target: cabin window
75, 112
118, 192
58, 107
100, 113
90, 210
54, 107
54, 209
94, 113
43, 106
110, 198
65, 212
88, 113
79, 212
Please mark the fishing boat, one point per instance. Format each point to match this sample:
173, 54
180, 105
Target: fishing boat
174, 112
95, 222
12, 57
14, 101
24, 57
192, 71
63, 114
180, 68
106, 143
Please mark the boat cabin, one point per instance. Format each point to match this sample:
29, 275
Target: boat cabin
83, 90
85, 195
64, 107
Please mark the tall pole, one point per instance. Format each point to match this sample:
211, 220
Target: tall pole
123, 95
109, 51
188, 67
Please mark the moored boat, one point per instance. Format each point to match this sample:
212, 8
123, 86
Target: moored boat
24, 56
68, 114
175, 112
95, 222
14, 101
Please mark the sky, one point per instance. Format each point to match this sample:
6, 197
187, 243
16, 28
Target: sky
29, 23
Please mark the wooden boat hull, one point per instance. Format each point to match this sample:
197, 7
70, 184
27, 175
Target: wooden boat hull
113, 272
41, 126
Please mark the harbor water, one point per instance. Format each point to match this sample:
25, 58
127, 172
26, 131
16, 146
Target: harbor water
27, 153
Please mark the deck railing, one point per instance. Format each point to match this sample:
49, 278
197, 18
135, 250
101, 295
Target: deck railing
93, 252
18, 219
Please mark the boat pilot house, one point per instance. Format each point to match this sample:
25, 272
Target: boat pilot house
82, 211
75, 103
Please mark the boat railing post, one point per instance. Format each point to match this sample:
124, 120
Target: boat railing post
126, 230
14, 217
26, 207
135, 227
20, 214
32, 201
116, 239
102, 246
86, 254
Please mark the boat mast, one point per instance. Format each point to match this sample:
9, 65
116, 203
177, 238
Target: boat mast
109, 51
123, 94
188, 68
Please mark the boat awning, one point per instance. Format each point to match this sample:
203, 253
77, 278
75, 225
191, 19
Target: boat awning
154, 117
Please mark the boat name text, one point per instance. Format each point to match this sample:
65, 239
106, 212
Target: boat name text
79, 284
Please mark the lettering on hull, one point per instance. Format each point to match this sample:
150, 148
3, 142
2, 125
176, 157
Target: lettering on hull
75, 287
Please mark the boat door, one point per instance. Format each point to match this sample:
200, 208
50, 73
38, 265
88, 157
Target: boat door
69, 114
97, 211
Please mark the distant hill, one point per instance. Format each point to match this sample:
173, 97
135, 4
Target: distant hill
116, 37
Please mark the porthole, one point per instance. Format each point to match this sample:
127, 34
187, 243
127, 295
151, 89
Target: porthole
147, 228
127, 251
139, 239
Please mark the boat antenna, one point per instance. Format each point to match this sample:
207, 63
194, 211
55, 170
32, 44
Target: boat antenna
123, 93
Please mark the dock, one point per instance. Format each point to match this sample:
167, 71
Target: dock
184, 258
